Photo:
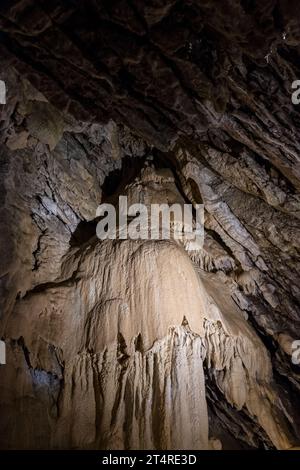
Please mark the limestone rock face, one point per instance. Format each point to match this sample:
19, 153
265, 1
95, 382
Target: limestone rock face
128, 332
149, 344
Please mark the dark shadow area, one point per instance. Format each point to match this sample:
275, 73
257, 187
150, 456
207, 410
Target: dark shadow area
83, 233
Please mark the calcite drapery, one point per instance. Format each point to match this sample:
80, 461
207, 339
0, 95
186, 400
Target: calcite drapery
117, 346
207, 87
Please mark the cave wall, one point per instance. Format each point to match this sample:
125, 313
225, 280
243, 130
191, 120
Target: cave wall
91, 84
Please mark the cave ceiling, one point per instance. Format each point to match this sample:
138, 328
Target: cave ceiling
95, 89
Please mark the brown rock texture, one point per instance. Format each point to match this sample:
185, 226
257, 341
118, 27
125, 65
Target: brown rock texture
147, 344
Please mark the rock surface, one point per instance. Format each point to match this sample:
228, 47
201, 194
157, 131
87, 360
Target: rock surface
93, 88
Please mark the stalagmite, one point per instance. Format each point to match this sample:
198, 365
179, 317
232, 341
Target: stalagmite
129, 112
130, 324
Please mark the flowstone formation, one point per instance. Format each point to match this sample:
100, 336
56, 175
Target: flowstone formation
117, 345
132, 344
